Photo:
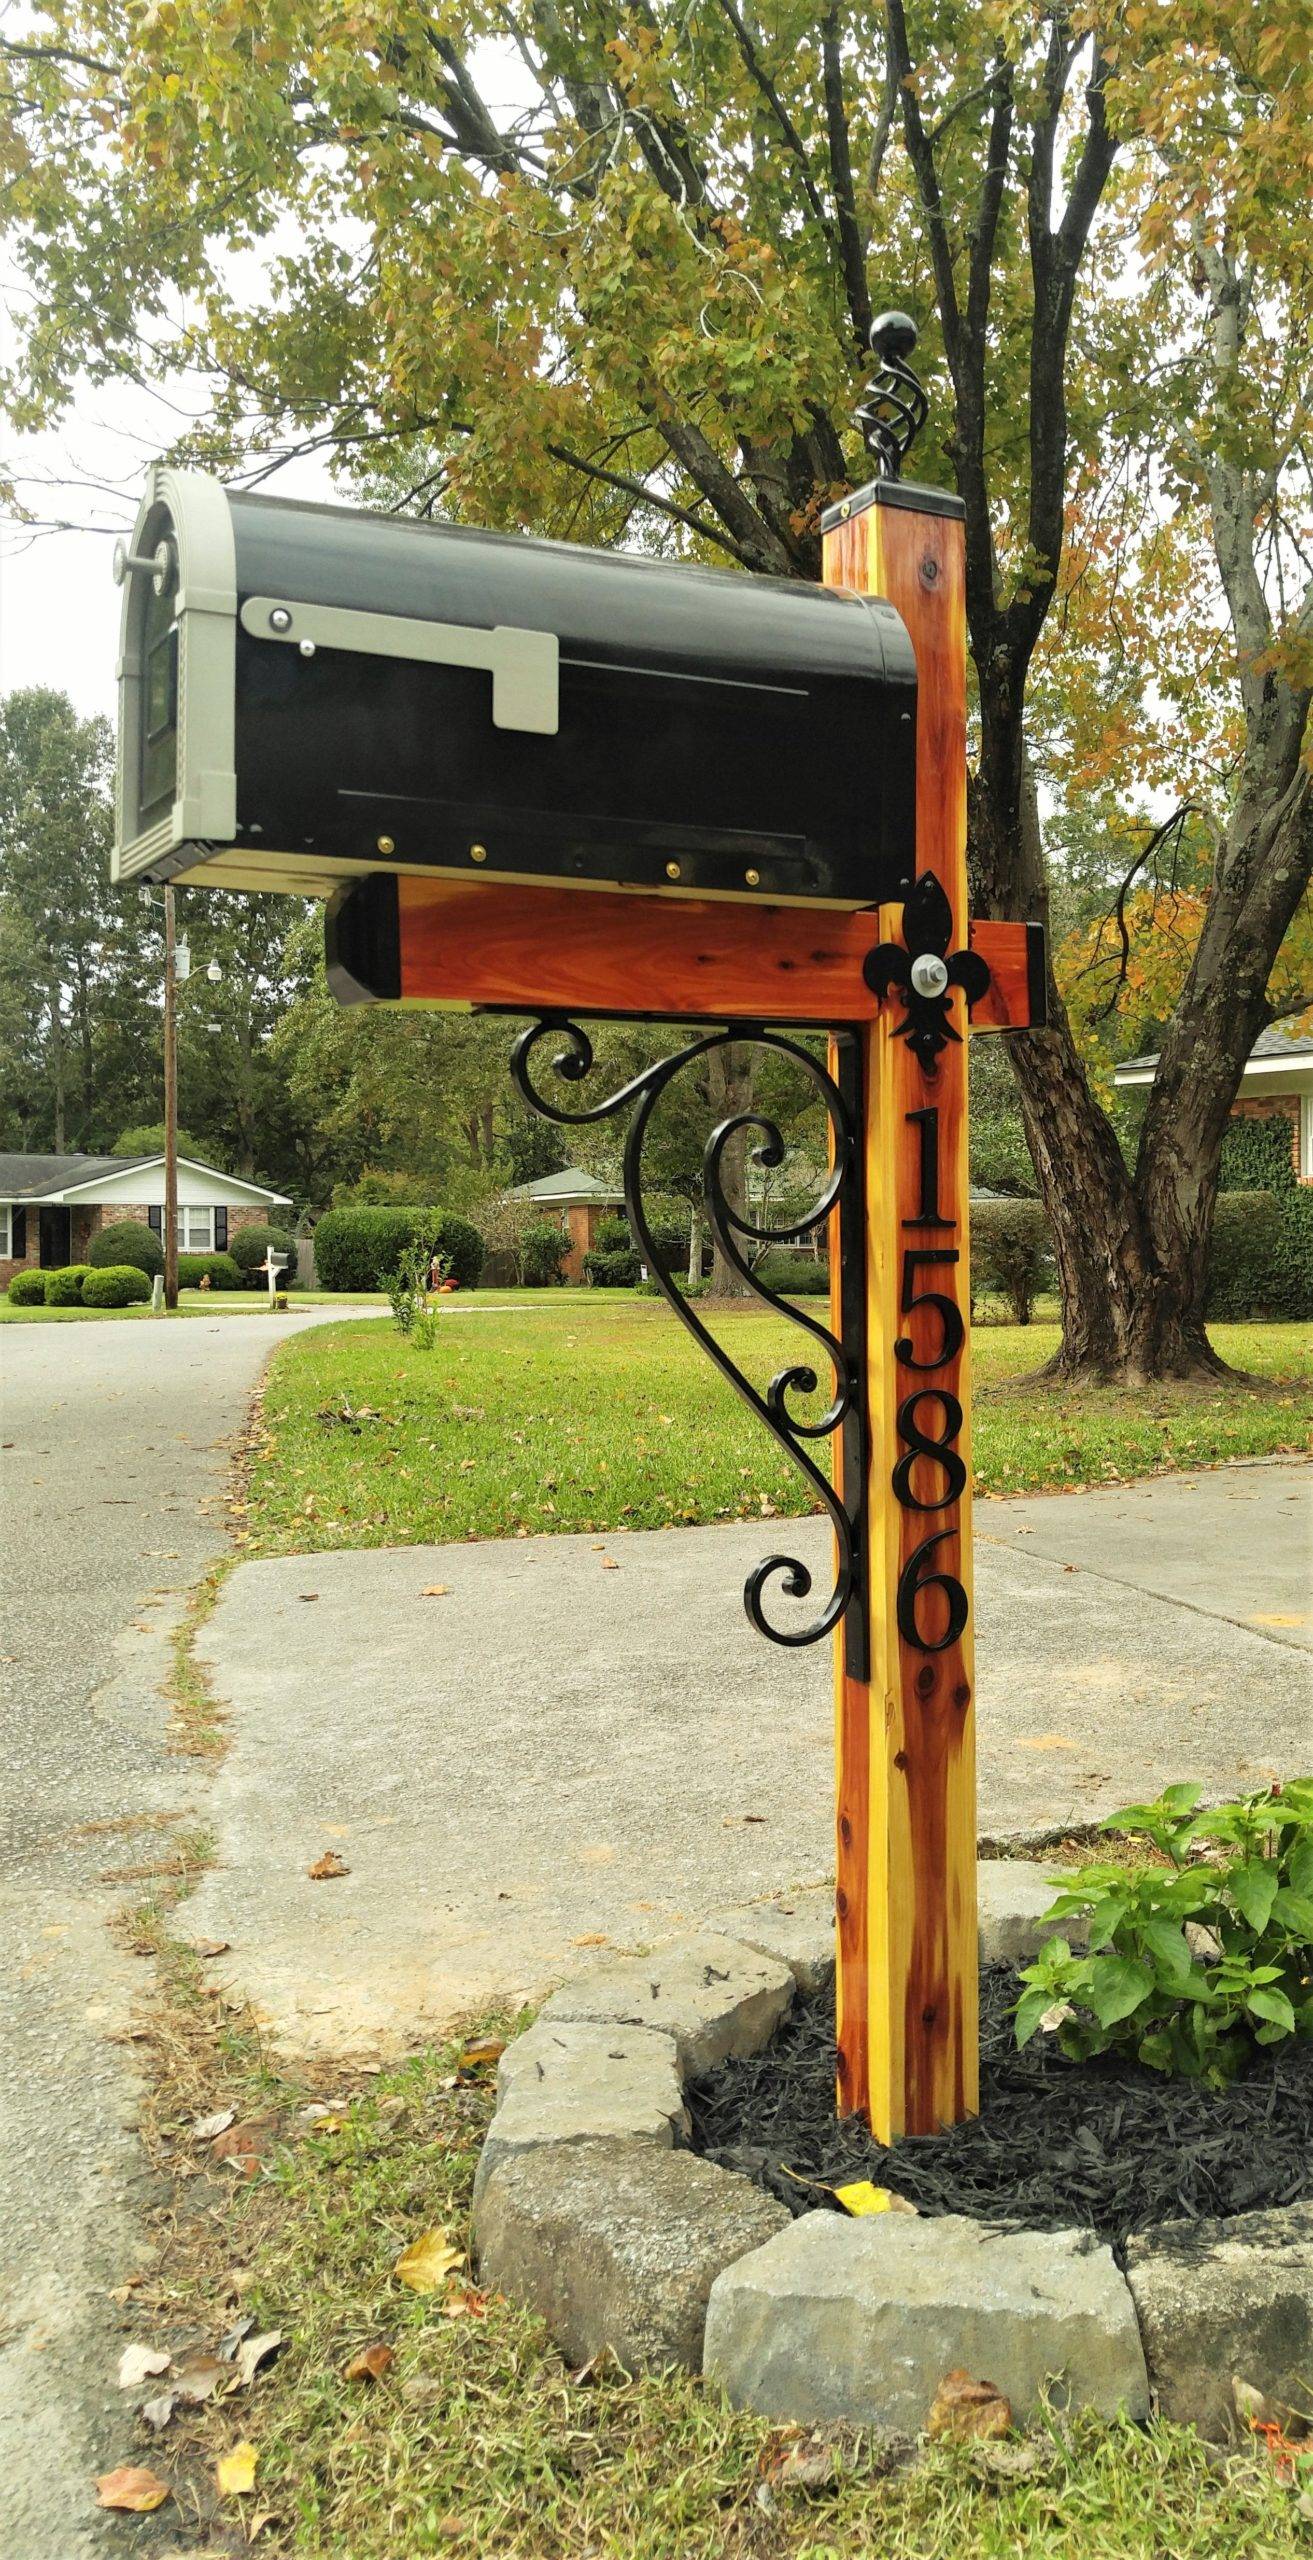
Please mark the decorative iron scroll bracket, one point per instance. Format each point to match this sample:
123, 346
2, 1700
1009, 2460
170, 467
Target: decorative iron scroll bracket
926, 971
735, 1234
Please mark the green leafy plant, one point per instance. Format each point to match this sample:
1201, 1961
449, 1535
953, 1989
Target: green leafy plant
220, 1269
1192, 1964
248, 1247
28, 1289
361, 1248
64, 1287
408, 1296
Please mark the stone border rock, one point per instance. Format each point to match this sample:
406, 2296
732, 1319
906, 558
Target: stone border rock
589, 2211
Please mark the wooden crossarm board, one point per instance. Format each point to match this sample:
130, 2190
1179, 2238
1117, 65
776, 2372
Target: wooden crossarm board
485, 946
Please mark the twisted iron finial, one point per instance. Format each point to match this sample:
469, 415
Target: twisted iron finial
893, 408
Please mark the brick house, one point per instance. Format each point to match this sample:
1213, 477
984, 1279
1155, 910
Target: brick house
52, 1206
1277, 1081
577, 1202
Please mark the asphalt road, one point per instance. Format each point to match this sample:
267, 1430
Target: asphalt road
115, 1441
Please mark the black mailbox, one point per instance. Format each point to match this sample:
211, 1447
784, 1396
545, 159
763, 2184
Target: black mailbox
308, 693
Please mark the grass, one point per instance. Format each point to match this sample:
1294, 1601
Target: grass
479, 2441
578, 1419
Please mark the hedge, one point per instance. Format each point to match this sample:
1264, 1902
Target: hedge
361, 1248
612, 1270
1244, 1277
64, 1288
127, 1241
118, 1285
28, 1289
1258, 1155
1010, 1253
220, 1269
248, 1247
793, 1275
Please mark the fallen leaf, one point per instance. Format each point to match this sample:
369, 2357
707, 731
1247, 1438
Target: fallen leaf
592, 1938
1250, 2404
307, 1595
329, 1865
436, 1591
968, 2409
234, 2473
426, 2264
158, 2412
134, 2491
609, 1565
470, 2303
1008, 2461
241, 2142
862, 2198
791, 2458
480, 2051
253, 2352
210, 1946
138, 2364
197, 2377
232, 2338
208, 2128
371, 2363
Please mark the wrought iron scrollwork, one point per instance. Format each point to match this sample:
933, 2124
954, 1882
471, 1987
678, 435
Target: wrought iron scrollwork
893, 408
926, 972
735, 1233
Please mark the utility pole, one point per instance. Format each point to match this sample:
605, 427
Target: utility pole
170, 1108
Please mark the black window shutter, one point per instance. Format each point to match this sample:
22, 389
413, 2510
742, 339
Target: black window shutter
18, 1239
221, 1231
156, 1217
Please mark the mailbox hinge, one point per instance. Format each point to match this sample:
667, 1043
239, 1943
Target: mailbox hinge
524, 665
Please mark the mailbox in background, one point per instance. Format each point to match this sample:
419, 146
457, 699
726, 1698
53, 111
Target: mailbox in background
309, 693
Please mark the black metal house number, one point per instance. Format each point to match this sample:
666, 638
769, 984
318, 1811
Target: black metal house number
935, 1448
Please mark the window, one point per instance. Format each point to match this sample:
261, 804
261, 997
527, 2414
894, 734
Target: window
6, 1232
195, 1230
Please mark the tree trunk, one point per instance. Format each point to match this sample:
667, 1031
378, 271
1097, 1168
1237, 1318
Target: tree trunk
729, 1094
695, 1241
57, 1069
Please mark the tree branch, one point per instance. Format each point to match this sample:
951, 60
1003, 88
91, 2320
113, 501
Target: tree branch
852, 246
650, 497
758, 73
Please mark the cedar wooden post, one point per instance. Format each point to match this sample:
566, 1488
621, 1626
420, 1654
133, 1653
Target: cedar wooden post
908, 1993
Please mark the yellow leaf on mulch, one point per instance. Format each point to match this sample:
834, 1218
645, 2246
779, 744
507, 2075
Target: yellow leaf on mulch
234, 2473
131, 2490
428, 2262
969, 2409
370, 2364
480, 2051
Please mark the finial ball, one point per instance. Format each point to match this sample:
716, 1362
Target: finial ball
893, 333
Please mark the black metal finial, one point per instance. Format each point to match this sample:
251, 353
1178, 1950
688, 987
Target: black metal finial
893, 408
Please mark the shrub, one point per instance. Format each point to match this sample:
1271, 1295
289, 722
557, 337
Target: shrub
687, 1288
248, 1247
28, 1289
1241, 1877
1009, 1253
792, 1275
220, 1269
543, 1248
118, 1285
127, 1241
613, 1236
64, 1288
361, 1248
1258, 1155
1243, 1263
611, 1270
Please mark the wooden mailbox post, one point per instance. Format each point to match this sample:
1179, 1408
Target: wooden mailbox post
757, 936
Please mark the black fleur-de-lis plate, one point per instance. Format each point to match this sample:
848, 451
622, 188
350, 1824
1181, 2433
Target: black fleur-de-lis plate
926, 972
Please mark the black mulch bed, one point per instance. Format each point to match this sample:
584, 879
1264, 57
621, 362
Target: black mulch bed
1104, 2144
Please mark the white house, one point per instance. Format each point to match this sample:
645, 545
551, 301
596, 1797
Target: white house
52, 1206
1278, 1078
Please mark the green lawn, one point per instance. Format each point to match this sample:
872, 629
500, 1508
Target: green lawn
596, 1415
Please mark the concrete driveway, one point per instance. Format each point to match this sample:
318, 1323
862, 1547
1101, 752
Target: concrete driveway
116, 1440
520, 1753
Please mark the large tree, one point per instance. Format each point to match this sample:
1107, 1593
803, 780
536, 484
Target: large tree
631, 304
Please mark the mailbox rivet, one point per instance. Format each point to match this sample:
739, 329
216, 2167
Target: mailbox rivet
386, 845
753, 879
307, 648
672, 871
280, 619
478, 853
846, 510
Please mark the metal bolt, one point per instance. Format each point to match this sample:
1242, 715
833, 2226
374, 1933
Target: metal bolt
672, 871
753, 879
280, 619
478, 853
929, 975
846, 509
307, 648
386, 845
